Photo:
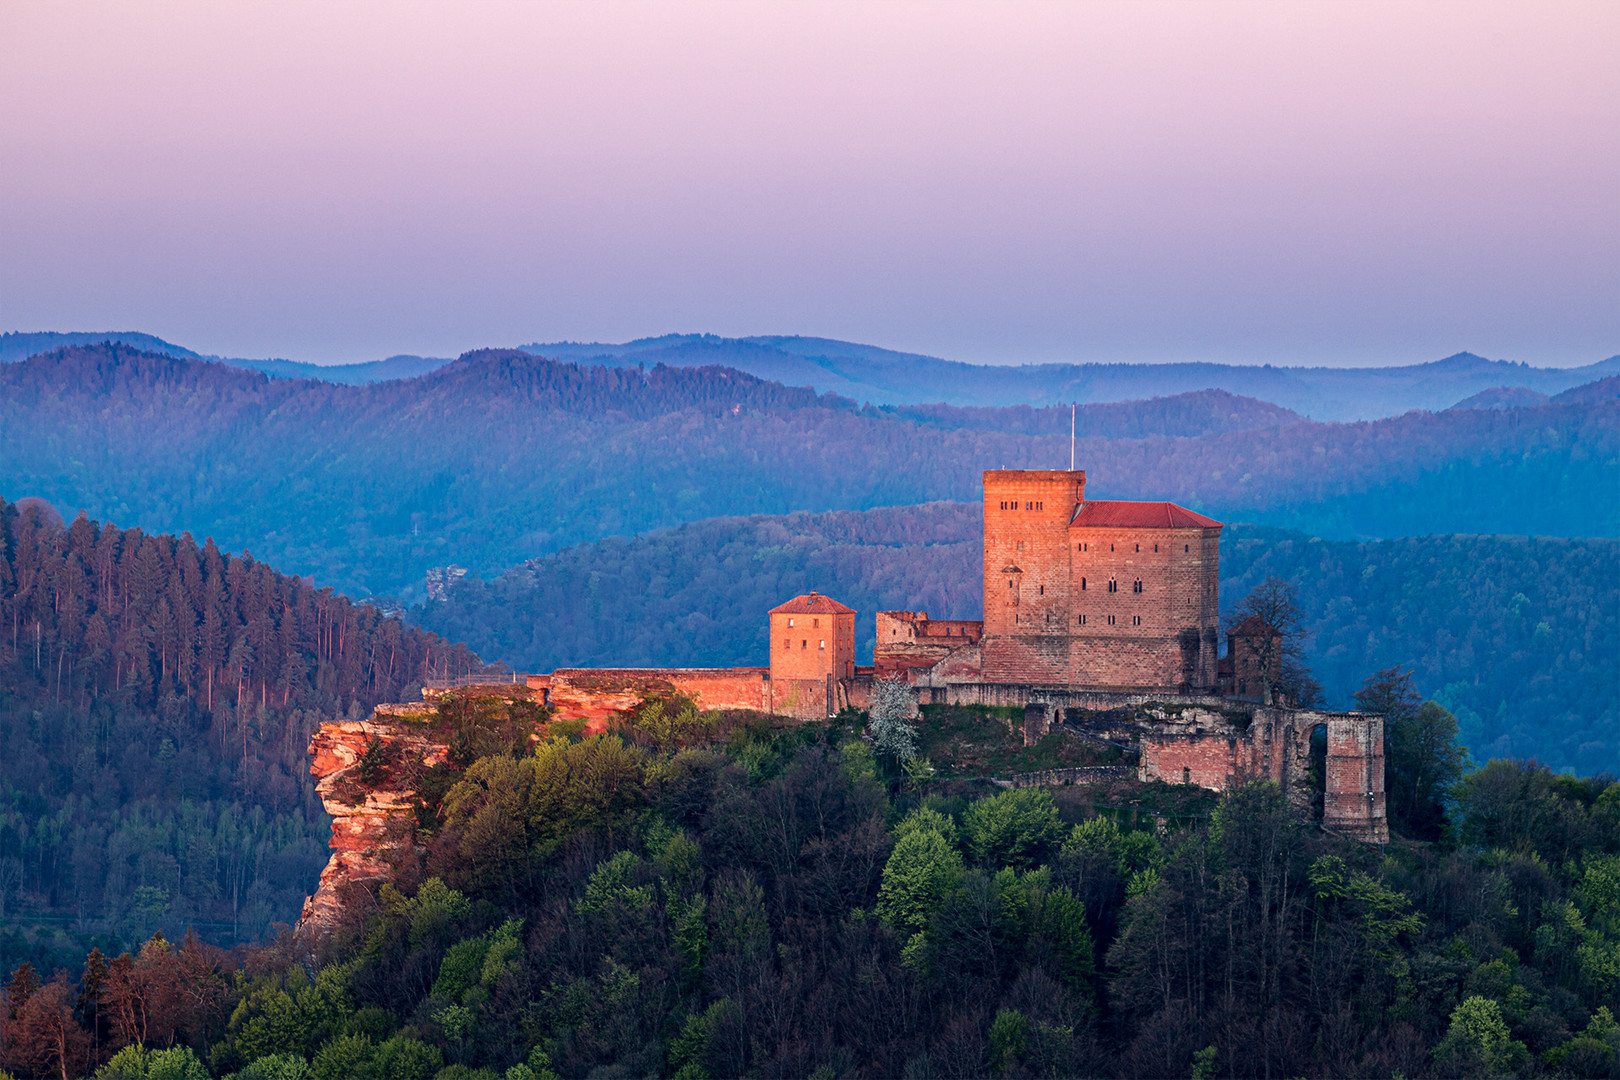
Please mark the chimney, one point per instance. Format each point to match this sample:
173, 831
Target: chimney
812, 594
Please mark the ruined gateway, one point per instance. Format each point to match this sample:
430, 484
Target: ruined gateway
1100, 619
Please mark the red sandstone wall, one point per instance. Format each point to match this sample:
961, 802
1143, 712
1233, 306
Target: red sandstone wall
1179, 574
595, 695
1206, 760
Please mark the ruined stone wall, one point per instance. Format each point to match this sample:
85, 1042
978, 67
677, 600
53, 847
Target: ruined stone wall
597, 694
1212, 742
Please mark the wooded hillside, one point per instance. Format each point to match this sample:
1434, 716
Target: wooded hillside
156, 703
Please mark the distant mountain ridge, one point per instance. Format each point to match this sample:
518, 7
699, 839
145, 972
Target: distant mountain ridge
886, 377
869, 374
15, 347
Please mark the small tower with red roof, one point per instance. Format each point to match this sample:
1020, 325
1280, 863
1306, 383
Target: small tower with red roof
812, 637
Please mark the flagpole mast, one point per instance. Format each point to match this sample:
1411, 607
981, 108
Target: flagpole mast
1071, 436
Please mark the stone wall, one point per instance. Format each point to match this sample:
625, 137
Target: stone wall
596, 694
1212, 742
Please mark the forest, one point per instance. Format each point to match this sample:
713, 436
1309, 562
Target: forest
1518, 636
156, 703
500, 457
698, 896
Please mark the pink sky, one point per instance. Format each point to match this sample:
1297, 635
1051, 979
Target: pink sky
1285, 183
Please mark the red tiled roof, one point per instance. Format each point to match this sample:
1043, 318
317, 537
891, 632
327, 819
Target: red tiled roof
1139, 515
813, 604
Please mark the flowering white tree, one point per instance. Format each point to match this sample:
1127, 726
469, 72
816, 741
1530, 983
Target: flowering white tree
894, 736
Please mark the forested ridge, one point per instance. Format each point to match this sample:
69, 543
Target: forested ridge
1519, 636
701, 896
502, 456
156, 703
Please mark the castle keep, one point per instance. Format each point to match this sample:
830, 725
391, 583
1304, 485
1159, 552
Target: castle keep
1111, 595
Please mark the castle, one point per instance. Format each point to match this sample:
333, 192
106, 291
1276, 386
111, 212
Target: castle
1100, 617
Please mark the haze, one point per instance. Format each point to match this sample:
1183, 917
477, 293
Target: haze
1305, 183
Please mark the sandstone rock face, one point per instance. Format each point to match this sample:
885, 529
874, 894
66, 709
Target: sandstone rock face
373, 824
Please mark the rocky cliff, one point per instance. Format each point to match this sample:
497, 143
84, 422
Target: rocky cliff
369, 775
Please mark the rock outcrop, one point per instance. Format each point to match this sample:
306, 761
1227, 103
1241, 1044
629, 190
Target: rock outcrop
373, 816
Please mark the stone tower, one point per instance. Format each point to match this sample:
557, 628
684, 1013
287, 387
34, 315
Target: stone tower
1108, 595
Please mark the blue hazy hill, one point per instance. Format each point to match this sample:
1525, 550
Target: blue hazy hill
885, 377
15, 347
867, 373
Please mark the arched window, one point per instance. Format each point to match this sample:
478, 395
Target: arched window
1113, 586
1082, 584
804, 644
1136, 586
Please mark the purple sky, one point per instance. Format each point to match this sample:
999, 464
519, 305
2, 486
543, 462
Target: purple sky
1288, 183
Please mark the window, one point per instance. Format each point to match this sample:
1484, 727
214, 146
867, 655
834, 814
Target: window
1082, 620
1138, 547
1043, 590
787, 643
1110, 547
790, 624
1113, 586
1185, 548
1155, 549
1020, 545
1136, 620
1009, 583
823, 643
1110, 620
1186, 775
1082, 584
1136, 586
815, 624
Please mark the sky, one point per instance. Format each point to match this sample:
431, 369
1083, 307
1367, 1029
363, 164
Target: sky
1323, 183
